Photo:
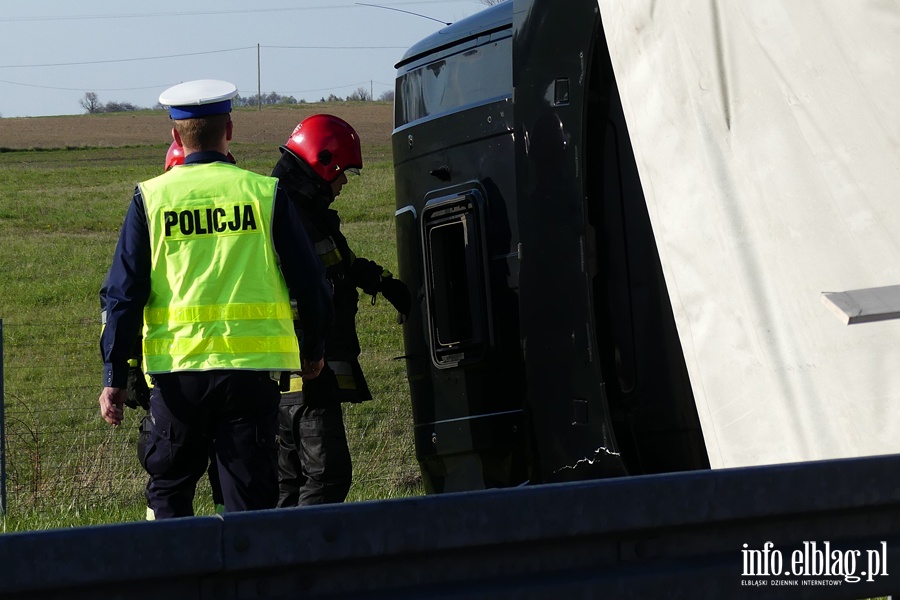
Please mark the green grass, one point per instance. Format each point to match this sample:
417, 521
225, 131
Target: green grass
60, 212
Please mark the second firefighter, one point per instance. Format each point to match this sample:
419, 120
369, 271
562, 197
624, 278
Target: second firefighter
313, 457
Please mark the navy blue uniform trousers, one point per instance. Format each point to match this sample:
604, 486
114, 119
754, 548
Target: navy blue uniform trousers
234, 411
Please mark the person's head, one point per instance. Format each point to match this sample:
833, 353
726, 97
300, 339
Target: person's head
204, 133
329, 146
201, 111
175, 156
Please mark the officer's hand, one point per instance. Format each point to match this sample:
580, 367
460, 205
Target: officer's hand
397, 294
111, 401
137, 392
309, 369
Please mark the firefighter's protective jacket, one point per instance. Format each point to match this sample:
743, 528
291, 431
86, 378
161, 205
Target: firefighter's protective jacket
343, 269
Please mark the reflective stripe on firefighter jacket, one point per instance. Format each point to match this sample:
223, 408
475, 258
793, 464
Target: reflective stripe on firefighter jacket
342, 345
218, 299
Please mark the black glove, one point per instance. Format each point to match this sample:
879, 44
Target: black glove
366, 275
137, 392
397, 294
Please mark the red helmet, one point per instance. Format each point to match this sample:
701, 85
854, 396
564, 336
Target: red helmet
327, 144
175, 156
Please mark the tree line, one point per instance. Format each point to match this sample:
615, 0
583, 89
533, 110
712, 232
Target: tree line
92, 105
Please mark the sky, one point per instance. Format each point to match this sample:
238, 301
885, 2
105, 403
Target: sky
54, 51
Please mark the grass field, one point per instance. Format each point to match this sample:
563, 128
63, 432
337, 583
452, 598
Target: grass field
65, 183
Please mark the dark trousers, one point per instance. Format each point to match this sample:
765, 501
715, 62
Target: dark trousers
314, 465
212, 472
235, 413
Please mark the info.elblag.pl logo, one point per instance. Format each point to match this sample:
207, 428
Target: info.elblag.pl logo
815, 563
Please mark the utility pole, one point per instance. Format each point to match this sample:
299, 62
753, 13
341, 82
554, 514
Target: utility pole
371, 91
258, 82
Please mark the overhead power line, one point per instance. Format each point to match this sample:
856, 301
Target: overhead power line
336, 87
200, 13
339, 47
165, 85
119, 60
143, 58
81, 89
409, 12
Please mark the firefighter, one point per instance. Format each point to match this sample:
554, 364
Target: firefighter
314, 464
209, 257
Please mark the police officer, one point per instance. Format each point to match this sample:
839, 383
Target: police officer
313, 457
137, 392
209, 257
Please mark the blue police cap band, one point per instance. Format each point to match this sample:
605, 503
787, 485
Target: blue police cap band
200, 110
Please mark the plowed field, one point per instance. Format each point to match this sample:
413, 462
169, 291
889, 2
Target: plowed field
271, 125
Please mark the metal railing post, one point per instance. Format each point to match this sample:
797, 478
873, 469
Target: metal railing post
2, 432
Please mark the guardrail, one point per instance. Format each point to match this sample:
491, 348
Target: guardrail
833, 526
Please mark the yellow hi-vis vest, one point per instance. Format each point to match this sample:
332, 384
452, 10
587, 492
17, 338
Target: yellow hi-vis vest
218, 299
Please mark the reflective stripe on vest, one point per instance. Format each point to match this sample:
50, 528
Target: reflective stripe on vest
217, 296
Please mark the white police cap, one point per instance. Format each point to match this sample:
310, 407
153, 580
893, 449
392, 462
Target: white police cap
200, 98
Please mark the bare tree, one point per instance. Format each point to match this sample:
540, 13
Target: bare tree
360, 94
490, 2
91, 103
387, 96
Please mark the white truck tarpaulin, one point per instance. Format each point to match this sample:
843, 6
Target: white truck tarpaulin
767, 138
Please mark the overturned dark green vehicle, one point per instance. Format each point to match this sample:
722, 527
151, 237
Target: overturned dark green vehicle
542, 345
